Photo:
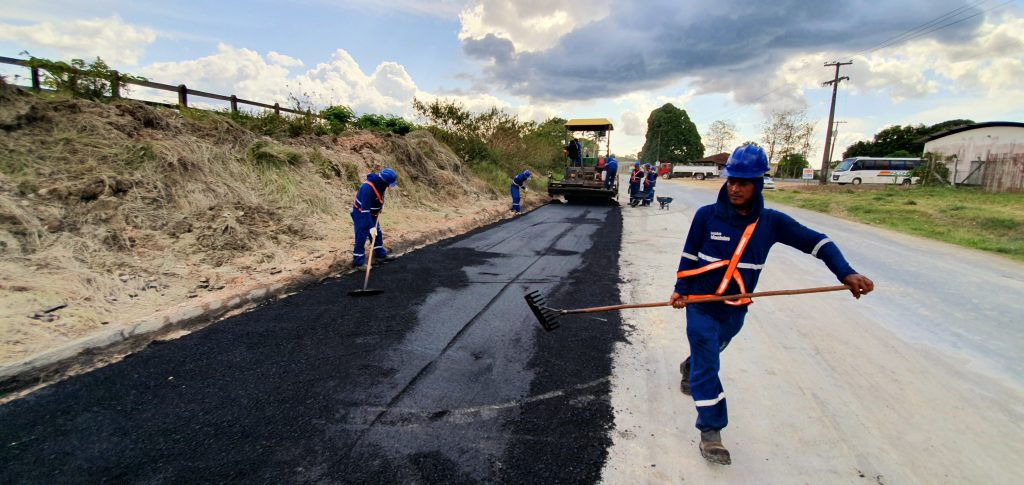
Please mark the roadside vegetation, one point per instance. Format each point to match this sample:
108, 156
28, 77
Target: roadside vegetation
964, 216
497, 145
120, 209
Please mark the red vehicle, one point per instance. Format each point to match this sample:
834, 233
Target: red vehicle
664, 168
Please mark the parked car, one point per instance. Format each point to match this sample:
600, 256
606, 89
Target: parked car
769, 183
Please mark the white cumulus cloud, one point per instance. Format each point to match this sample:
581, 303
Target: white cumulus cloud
530, 25
113, 40
283, 60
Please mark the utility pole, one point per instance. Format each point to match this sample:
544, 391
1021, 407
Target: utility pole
825, 157
835, 135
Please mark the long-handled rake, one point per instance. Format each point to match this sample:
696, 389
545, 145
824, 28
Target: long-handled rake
548, 317
366, 280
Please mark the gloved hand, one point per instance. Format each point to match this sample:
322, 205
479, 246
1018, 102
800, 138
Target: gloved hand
525, 189
373, 232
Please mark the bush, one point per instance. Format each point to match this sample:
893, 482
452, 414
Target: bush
338, 117
493, 141
92, 81
932, 173
393, 124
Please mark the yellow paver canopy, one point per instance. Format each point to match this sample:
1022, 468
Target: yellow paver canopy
589, 124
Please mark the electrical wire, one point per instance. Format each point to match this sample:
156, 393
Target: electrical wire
917, 29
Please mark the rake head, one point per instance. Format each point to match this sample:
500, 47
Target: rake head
547, 317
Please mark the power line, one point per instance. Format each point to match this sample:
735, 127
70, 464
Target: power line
913, 33
944, 26
926, 25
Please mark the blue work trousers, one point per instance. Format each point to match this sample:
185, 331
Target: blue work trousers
648, 194
609, 178
515, 198
362, 222
634, 190
708, 336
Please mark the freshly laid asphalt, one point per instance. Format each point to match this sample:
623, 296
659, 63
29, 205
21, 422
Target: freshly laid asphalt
445, 377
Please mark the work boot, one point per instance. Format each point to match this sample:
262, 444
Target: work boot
712, 449
684, 384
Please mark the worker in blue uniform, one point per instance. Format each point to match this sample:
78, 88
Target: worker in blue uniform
725, 250
611, 170
518, 183
574, 150
635, 179
650, 180
366, 214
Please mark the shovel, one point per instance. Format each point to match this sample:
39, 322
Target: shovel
548, 317
369, 264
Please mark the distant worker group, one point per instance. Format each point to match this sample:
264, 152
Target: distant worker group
642, 181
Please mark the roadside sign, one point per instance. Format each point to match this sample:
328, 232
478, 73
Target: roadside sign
808, 174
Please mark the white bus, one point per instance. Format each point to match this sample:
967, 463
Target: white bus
876, 170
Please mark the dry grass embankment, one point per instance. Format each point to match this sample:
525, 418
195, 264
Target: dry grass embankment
120, 210
964, 216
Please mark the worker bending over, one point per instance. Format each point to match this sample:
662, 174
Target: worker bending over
724, 253
611, 170
518, 183
366, 212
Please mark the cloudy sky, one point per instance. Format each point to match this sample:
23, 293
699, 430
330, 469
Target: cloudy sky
914, 61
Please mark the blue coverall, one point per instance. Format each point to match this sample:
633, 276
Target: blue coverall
518, 182
635, 178
714, 235
365, 211
611, 170
652, 180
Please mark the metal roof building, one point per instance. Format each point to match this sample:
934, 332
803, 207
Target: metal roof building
987, 154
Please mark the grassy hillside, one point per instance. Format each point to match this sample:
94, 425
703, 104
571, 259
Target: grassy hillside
121, 209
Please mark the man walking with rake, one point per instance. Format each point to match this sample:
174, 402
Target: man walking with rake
725, 250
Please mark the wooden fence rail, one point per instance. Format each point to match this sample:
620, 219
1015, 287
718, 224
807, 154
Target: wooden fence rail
183, 91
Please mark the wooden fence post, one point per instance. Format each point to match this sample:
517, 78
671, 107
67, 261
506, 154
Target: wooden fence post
182, 96
35, 80
234, 104
115, 84
277, 109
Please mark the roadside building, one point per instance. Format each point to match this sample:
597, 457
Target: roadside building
990, 155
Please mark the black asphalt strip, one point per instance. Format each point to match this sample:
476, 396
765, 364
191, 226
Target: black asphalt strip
321, 387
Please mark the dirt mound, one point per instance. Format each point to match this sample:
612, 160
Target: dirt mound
121, 209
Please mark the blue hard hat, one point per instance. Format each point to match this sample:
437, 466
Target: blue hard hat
389, 176
527, 172
636, 164
647, 165
747, 162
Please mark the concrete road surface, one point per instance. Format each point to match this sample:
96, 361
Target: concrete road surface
921, 381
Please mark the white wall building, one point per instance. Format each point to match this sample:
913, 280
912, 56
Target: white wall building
996, 147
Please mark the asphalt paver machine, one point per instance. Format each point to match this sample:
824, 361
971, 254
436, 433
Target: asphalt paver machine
582, 178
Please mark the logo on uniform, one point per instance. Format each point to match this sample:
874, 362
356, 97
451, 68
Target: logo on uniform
717, 236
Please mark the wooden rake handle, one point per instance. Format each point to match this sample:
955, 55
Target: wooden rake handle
690, 301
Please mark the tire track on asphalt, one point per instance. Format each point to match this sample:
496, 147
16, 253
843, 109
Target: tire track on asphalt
430, 365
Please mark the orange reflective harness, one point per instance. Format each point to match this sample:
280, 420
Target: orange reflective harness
380, 199
730, 274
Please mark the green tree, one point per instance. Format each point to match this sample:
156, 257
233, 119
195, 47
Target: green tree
671, 137
786, 131
792, 165
900, 154
909, 139
720, 135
